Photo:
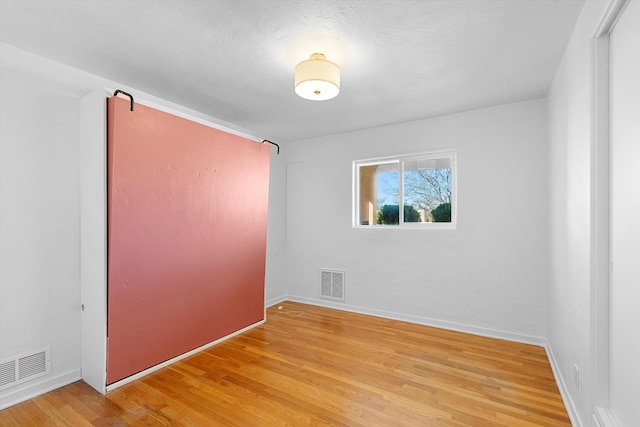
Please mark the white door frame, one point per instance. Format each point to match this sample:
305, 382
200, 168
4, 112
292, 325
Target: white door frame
600, 259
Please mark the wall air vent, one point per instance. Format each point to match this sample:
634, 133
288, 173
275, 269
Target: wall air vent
332, 284
24, 367
7, 373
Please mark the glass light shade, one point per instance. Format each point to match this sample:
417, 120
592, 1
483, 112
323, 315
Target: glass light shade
317, 79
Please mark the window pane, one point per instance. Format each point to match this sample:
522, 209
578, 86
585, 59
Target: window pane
379, 193
413, 191
427, 190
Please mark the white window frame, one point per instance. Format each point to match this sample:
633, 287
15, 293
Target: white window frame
399, 160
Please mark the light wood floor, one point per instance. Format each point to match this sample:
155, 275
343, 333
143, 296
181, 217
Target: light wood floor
314, 366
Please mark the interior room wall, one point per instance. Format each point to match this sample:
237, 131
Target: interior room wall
40, 212
489, 275
39, 220
570, 177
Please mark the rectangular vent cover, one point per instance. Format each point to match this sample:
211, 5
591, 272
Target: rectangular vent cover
24, 367
332, 284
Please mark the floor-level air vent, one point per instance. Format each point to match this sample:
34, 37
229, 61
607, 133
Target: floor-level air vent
332, 284
24, 367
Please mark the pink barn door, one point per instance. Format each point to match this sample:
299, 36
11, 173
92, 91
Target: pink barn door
187, 223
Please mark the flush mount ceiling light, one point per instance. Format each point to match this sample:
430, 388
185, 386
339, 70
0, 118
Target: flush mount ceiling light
317, 79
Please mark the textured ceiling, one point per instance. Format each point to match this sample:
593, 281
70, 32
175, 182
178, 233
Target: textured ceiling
401, 60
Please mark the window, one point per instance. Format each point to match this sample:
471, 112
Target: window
424, 185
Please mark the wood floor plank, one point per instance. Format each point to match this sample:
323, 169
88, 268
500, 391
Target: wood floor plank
313, 366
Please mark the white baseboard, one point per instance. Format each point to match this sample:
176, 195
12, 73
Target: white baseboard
180, 357
604, 418
26, 391
562, 386
453, 326
274, 301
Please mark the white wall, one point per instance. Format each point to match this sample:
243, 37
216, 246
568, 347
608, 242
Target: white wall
39, 220
570, 144
40, 212
488, 276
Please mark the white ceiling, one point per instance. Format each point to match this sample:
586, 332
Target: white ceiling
401, 60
